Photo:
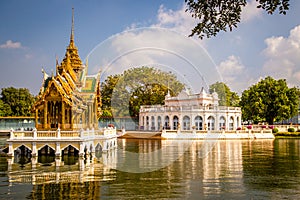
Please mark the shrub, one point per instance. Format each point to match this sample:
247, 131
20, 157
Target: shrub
291, 129
275, 130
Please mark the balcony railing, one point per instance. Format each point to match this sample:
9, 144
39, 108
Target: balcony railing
159, 108
58, 134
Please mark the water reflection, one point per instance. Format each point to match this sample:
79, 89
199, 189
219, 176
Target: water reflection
234, 169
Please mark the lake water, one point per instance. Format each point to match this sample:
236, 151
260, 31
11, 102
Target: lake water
155, 169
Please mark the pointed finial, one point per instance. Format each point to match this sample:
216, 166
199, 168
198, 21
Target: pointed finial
72, 28
56, 60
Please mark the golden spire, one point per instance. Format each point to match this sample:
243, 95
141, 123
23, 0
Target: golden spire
56, 65
72, 28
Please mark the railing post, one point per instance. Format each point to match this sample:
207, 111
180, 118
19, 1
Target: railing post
58, 133
81, 133
11, 133
34, 133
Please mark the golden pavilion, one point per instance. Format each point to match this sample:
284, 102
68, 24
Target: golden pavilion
70, 99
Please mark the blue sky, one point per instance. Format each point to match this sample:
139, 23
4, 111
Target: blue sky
33, 33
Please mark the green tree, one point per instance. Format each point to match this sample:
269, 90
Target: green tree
4, 109
226, 96
124, 94
269, 100
223, 15
16, 102
107, 88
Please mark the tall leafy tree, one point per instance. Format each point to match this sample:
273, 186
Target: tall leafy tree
107, 88
269, 100
124, 94
222, 15
16, 102
226, 96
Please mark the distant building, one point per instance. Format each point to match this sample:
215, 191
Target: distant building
190, 111
70, 99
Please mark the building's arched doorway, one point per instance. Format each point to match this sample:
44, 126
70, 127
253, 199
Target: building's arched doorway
147, 123
231, 123
186, 123
211, 123
167, 122
175, 122
222, 123
198, 123
152, 123
159, 123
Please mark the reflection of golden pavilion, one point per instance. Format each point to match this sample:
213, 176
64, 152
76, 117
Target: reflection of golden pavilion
70, 99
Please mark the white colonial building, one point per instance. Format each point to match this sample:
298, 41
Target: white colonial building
190, 112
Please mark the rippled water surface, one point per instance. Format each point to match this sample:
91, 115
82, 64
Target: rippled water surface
155, 169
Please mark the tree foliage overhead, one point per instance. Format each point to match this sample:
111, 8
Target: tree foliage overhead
222, 15
269, 100
122, 95
226, 96
16, 102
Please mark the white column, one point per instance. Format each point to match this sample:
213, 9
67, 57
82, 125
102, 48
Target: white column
57, 152
10, 150
81, 150
34, 151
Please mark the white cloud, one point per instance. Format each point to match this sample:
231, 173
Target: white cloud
250, 11
234, 73
231, 67
11, 45
177, 20
282, 55
160, 48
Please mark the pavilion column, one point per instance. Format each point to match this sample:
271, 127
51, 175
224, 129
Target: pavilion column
95, 115
45, 114
91, 117
62, 115
71, 118
68, 116
36, 117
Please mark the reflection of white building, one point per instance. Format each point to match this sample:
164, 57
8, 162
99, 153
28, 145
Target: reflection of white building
186, 112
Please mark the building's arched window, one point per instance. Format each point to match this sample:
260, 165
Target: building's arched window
186, 123
159, 122
152, 123
167, 122
211, 123
198, 123
175, 122
143, 123
231, 122
222, 123
147, 122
